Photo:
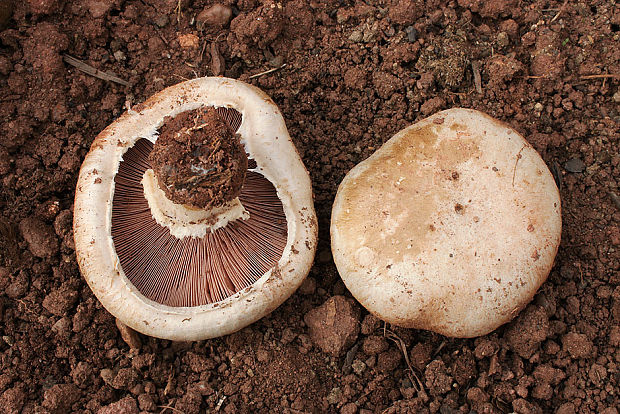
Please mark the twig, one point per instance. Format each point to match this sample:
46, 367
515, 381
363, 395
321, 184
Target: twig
219, 403
419, 387
439, 348
602, 76
168, 407
475, 67
202, 51
560, 11
161, 36
401, 346
217, 60
267, 71
86, 68
179, 76
615, 198
169, 383
178, 10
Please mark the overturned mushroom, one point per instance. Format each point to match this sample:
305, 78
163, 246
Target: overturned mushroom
189, 237
451, 226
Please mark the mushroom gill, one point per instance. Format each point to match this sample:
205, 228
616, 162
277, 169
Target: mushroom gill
193, 271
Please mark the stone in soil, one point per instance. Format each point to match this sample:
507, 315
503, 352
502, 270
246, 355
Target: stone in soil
574, 165
334, 326
213, 17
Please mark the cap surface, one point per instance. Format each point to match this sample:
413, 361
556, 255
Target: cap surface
451, 226
266, 140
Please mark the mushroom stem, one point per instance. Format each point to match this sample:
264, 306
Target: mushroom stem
198, 168
187, 221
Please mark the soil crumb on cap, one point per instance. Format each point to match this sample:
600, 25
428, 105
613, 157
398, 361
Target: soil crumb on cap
198, 159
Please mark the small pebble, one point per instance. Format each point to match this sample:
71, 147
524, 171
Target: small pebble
574, 165
276, 62
334, 395
189, 41
358, 367
130, 336
107, 375
502, 39
412, 34
334, 326
217, 15
161, 20
356, 36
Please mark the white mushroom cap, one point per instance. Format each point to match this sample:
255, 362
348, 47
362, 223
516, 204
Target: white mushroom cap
266, 140
451, 226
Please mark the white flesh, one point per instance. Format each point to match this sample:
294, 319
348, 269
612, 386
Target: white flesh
183, 221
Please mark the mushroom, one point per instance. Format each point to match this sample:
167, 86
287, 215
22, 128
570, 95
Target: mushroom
174, 265
451, 226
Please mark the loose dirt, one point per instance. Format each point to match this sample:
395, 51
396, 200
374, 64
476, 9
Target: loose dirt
347, 76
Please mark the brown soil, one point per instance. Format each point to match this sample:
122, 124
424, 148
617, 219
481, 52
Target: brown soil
198, 159
355, 74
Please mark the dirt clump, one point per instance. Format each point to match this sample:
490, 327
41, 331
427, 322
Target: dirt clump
334, 326
60, 397
527, 332
577, 345
125, 405
198, 160
40, 237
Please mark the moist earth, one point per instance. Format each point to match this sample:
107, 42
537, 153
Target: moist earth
198, 159
346, 76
